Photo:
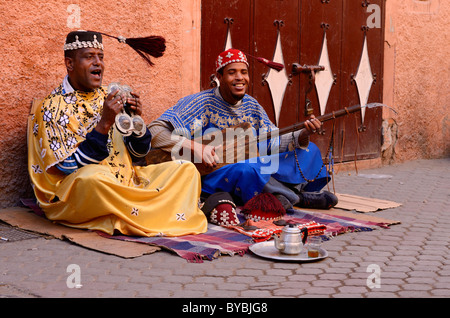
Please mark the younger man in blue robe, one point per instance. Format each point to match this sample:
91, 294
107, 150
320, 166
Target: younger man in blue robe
228, 105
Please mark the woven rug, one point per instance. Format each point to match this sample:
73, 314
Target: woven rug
220, 240
196, 248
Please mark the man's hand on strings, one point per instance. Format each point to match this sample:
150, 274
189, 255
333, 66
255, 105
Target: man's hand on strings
207, 154
312, 126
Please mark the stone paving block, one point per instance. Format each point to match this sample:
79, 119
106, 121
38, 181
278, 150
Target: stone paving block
255, 294
9, 291
303, 278
149, 280
176, 286
321, 290
289, 292
232, 286
385, 286
271, 286
293, 285
119, 294
279, 272
353, 289
308, 271
414, 294
249, 272
184, 279
332, 276
327, 283
189, 294
156, 293
441, 292
241, 279
221, 294
381, 295
270, 279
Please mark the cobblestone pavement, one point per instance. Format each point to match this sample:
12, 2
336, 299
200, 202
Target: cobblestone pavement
413, 257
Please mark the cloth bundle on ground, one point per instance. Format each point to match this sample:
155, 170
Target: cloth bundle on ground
263, 230
220, 209
266, 216
264, 206
259, 218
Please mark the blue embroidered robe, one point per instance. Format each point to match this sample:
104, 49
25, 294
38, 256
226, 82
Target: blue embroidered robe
202, 111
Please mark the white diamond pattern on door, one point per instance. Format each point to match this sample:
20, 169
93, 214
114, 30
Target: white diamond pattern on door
277, 81
324, 79
364, 78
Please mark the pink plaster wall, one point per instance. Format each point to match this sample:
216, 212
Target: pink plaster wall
417, 77
31, 61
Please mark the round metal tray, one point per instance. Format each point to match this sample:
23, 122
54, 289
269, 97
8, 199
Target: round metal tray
267, 249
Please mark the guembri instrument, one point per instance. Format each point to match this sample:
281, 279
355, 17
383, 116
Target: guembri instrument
241, 142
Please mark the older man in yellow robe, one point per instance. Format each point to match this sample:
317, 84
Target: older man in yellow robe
81, 166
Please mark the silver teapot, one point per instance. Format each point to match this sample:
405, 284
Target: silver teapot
290, 240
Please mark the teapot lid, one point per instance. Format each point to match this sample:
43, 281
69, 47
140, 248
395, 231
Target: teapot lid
291, 228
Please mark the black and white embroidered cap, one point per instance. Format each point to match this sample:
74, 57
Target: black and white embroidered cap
83, 39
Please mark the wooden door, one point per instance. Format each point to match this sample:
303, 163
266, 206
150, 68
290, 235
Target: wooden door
303, 34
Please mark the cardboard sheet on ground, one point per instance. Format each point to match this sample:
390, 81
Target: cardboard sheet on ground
362, 204
25, 219
359, 216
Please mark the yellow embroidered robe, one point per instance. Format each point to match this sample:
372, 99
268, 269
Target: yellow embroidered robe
113, 195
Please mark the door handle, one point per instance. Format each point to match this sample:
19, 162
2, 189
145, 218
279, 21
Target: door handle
312, 69
297, 69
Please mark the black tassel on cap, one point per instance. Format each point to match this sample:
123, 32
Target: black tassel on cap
146, 47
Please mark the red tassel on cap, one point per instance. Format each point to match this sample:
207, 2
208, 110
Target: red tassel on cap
264, 206
145, 46
276, 66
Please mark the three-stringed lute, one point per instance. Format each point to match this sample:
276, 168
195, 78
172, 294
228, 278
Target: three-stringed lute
238, 142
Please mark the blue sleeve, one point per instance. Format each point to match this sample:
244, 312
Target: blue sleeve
138, 147
93, 150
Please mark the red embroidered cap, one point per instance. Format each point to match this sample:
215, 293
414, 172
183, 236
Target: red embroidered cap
264, 206
230, 56
236, 56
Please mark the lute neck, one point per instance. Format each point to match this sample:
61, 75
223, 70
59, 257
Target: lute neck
323, 118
